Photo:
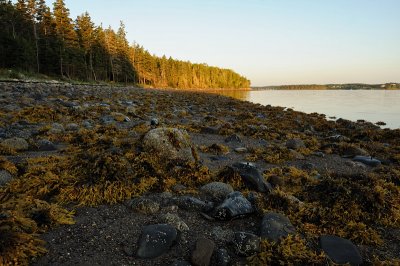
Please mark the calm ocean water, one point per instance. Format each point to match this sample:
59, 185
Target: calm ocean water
369, 105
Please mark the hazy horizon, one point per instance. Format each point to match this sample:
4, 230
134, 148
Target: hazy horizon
269, 42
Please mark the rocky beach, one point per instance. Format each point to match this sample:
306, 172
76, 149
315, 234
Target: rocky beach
113, 175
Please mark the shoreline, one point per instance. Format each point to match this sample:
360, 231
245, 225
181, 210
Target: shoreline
65, 146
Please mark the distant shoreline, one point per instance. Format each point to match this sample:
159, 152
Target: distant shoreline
349, 86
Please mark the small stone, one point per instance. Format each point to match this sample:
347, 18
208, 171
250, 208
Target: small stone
319, 154
275, 226
175, 221
119, 117
295, 144
154, 122
46, 145
17, 144
246, 244
5, 177
216, 190
155, 240
235, 205
72, 127
340, 250
201, 255
143, 205
367, 160
240, 150
56, 128
222, 257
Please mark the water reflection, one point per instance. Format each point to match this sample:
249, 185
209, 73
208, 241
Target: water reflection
369, 105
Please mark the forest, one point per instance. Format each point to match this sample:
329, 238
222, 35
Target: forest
37, 39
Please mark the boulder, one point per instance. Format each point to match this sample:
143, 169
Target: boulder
216, 190
203, 251
246, 244
155, 240
340, 250
17, 144
169, 145
251, 176
234, 206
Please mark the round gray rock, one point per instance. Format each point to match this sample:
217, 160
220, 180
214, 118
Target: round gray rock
155, 240
17, 144
246, 244
216, 190
5, 177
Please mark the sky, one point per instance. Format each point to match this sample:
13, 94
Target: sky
271, 42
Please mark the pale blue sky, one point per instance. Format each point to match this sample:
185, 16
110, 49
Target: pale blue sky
269, 41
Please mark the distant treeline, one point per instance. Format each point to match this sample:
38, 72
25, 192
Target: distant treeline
355, 86
34, 38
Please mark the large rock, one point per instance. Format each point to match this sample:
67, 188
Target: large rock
169, 145
340, 250
216, 190
367, 160
201, 255
235, 205
275, 226
17, 144
251, 176
155, 240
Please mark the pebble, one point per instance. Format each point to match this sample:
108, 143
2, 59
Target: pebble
340, 250
275, 226
240, 150
203, 251
235, 205
216, 190
367, 160
156, 240
246, 244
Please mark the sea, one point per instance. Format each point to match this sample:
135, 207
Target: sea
369, 105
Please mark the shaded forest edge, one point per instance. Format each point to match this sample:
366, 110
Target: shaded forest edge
351, 86
36, 39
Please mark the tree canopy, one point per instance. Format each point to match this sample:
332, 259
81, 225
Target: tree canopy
35, 38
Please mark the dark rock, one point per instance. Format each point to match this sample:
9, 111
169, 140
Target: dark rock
275, 181
222, 235
340, 250
216, 190
218, 158
210, 130
154, 122
201, 255
308, 166
5, 177
251, 176
367, 160
180, 263
107, 120
56, 128
222, 257
194, 204
246, 244
155, 240
319, 154
235, 205
275, 226
233, 138
295, 144
46, 145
